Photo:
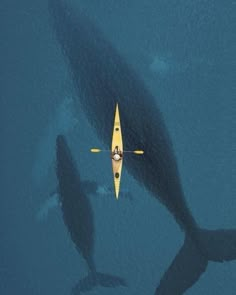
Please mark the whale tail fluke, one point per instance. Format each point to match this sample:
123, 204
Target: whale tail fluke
219, 245
190, 262
97, 279
184, 271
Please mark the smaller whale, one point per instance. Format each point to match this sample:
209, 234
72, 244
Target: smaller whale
78, 218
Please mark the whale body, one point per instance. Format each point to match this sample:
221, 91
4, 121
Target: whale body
103, 78
78, 217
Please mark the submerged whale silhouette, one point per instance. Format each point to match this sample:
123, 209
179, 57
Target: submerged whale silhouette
78, 217
102, 78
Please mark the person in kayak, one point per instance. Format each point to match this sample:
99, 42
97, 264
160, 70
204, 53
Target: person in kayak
117, 154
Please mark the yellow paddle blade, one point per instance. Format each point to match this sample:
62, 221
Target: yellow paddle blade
94, 150
139, 152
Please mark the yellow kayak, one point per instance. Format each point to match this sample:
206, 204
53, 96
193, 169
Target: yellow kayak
117, 152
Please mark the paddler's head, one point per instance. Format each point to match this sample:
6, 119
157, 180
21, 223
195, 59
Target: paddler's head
116, 157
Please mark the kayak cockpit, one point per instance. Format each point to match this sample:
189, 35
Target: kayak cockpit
117, 154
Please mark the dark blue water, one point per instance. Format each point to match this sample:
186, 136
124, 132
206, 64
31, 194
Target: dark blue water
185, 52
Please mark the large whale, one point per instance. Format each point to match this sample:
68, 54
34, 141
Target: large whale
103, 78
78, 217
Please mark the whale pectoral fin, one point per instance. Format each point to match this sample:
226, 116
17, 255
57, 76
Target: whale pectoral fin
89, 186
49, 204
219, 245
184, 271
109, 191
126, 195
110, 281
103, 190
97, 279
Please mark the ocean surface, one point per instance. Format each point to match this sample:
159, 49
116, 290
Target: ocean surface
185, 53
